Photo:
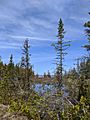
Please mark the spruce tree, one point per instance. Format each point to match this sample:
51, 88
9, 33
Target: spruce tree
48, 74
60, 48
85, 67
11, 68
26, 61
87, 30
1, 69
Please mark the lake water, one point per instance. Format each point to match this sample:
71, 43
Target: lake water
43, 88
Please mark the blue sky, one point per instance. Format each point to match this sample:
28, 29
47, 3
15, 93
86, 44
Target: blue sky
37, 20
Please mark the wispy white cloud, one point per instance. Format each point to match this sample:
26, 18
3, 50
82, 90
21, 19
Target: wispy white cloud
10, 45
37, 20
19, 17
29, 37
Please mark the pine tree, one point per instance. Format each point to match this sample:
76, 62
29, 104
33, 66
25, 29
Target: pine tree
11, 68
26, 61
1, 69
45, 75
60, 48
87, 25
84, 77
48, 74
85, 67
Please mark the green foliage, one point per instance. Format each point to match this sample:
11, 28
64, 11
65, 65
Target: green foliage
26, 108
7, 91
35, 107
77, 112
